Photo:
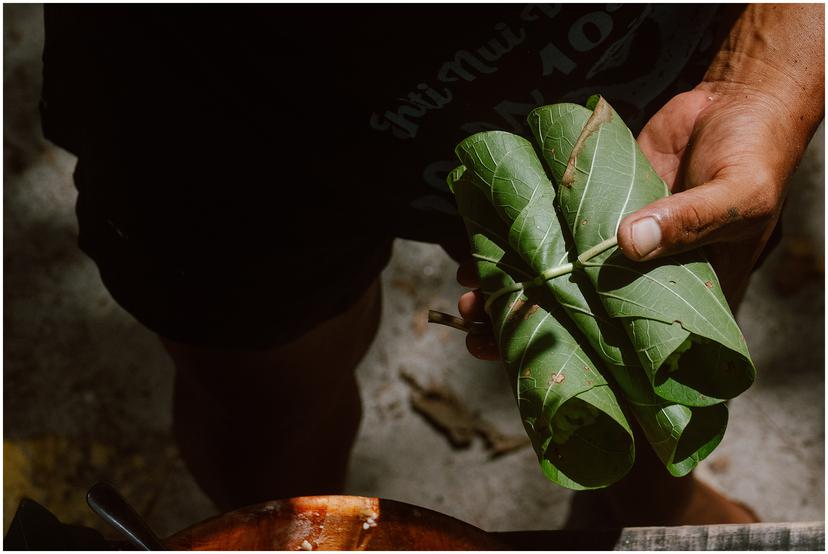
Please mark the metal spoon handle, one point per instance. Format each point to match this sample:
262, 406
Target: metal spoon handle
115, 510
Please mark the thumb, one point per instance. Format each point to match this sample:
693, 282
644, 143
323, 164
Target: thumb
719, 210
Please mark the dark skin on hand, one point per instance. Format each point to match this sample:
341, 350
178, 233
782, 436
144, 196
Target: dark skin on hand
726, 150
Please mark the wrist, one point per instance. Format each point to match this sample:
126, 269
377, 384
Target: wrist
775, 55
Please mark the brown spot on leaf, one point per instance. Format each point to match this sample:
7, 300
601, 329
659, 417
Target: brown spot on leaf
600, 115
516, 309
526, 373
708, 284
558, 378
584, 221
531, 311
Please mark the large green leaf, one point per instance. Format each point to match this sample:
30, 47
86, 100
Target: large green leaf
570, 413
513, 186
672, 310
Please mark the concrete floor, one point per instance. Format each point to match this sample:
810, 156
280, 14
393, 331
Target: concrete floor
87, 390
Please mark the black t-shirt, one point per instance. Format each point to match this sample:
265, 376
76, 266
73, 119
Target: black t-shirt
227, 153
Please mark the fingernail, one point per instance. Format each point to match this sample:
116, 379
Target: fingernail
646, 235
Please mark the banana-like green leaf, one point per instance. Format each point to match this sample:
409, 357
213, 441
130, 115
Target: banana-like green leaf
576, 426
514, 186
672, 310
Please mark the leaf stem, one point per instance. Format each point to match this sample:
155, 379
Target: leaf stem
505, 290
448, 320
455, 322
599, 248
501, 263
553, 272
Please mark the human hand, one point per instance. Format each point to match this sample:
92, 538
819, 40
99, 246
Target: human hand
720, 155
727, 148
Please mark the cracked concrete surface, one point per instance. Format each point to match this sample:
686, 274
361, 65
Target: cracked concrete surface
87, 390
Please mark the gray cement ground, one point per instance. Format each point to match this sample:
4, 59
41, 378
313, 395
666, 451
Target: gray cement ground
87, 390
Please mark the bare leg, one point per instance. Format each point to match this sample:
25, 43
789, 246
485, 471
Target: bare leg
649, 495
261, 425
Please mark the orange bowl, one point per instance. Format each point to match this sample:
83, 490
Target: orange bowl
332, 523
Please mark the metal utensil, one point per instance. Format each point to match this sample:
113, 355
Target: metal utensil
116, 511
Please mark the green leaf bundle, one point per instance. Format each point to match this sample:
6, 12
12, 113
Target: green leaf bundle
588, 337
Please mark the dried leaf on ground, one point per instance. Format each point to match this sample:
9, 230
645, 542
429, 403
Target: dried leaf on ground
447, 413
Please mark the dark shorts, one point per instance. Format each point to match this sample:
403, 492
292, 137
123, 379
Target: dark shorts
214, 215
216, 261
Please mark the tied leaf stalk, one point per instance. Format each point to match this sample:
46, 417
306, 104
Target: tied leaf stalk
554, 272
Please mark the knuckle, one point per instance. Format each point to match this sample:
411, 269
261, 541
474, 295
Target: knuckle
764, 207
744, 211
693, 223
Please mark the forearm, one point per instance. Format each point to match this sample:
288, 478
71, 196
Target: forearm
776, 52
